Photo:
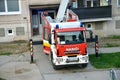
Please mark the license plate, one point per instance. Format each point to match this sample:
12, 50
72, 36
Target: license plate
73, 59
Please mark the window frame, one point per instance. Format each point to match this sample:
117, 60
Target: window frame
9, 33
118, 5
19, 32
3, 35
75, 4
13, 12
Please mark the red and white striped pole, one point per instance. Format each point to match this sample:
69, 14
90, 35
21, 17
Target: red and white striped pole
96, 46
31, 50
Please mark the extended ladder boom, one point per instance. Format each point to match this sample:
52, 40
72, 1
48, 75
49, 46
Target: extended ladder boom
62, 9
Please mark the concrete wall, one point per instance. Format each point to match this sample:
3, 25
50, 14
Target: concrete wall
23, 20
115, 8
17, 20
109, 27
43, 2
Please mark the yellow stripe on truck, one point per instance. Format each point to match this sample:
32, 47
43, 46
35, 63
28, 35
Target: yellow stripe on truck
45, 43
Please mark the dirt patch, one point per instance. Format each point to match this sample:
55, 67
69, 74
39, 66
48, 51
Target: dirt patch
14, 47
17, 47
23, 70
106, 42
103, 42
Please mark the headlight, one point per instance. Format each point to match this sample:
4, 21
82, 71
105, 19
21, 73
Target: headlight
59, 59
84, 58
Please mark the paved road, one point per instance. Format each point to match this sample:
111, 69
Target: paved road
18, 67
72, 73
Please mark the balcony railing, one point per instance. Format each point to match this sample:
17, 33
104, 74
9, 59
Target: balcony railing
94, 12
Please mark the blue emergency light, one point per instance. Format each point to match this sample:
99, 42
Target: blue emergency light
57, 26
81, 24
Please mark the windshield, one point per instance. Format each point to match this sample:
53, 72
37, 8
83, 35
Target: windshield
71, 37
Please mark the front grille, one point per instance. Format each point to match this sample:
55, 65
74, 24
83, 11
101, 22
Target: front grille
72, 53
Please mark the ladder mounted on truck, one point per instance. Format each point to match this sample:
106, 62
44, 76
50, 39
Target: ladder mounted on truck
61, 10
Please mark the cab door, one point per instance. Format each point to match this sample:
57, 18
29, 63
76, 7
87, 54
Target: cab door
46, 33
46, 44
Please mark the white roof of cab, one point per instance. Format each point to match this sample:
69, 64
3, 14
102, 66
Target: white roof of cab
66, 25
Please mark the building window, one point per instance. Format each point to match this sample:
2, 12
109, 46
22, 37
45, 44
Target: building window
88, 3
93, 3
80, 3
96, 3
20, 31
9, 7
117, 24
10, 32
2, 32
99, 26
104, 2
2, 6
118, 3
74, 4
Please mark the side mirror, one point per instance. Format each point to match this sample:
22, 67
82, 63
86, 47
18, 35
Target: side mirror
91, 39
54, 43
53, 31
91, 34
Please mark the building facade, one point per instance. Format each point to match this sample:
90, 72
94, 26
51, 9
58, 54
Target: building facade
101, 16
21, 19
14, 20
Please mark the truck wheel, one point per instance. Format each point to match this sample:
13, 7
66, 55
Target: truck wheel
46, 54
56, 67
53, 64
84, 65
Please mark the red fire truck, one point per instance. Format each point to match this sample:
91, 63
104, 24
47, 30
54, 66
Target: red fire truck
65, 40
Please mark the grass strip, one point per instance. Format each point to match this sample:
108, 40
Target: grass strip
106, 60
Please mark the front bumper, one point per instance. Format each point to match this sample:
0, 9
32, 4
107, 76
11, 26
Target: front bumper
65, 60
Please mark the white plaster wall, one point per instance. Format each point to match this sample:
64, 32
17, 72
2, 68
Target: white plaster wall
18, 20
43, 2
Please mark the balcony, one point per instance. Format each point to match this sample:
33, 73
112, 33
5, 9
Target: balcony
94, 13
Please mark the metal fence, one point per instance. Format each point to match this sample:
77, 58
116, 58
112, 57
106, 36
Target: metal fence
115, 74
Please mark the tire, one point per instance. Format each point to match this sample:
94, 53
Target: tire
53, 64
84, 65
46, 53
